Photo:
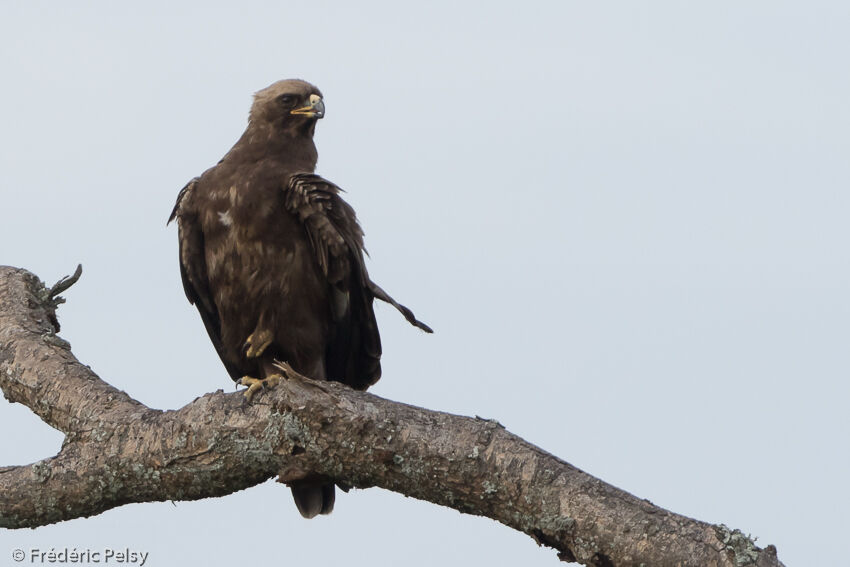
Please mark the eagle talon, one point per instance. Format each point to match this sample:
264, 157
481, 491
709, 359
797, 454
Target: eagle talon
255, 384
257, 342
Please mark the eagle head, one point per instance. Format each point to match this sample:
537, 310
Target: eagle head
288, 104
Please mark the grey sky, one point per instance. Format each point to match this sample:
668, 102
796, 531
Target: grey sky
627, 223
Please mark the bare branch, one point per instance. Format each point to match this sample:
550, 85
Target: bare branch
118, 451
63, 284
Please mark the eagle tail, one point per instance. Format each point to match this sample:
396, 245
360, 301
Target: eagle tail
313, 499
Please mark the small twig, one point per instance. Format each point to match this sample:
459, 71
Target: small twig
290, 372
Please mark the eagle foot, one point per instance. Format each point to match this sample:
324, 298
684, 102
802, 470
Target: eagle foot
255, 384
257, 342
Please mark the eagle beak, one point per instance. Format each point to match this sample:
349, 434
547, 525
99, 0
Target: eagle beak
316, 108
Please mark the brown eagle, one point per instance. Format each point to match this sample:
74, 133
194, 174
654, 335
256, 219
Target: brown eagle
272, 257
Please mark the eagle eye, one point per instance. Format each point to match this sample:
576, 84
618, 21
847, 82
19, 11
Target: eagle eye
286, 99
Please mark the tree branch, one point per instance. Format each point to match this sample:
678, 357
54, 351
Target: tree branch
118, 451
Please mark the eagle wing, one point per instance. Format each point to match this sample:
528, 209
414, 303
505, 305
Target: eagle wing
331, 224
337, 240
193, 270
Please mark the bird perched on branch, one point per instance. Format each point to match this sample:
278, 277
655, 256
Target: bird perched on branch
273, 259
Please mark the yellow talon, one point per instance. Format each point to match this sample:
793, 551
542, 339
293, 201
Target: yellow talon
255, 384
257, 342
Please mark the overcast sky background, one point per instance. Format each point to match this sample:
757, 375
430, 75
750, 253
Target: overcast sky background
627, 223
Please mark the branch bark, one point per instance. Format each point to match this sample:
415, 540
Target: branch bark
118, 451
